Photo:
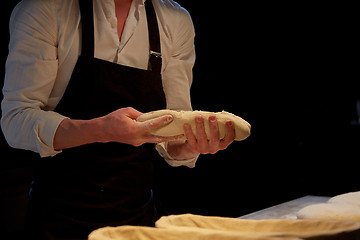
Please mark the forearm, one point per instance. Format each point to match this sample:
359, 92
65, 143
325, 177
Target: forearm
119, 126
73, 133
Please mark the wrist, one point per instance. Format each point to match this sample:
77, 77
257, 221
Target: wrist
95, 130
180, 151
100, 130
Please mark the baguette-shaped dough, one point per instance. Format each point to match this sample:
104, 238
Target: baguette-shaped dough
330, 211
176, 127
352, 198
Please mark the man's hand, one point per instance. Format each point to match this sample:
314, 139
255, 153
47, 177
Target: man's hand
118, 126
121, 126
204, 146
200, 144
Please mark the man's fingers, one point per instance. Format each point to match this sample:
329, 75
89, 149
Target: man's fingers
155, 123
229, 135
201, 136
214, 135
191, 139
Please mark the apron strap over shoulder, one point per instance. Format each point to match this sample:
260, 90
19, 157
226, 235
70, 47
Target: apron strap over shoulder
87, 19
154, 37
153, 28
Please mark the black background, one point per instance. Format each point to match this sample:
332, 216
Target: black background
289, 69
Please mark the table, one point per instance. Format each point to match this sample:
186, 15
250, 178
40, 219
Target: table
286, 210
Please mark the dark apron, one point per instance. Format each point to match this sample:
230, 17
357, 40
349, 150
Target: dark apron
101, 184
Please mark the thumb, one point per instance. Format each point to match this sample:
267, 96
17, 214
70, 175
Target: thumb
132, 113
156, 123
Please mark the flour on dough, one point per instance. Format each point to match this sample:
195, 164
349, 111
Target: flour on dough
176, 127
330, 211
352, 198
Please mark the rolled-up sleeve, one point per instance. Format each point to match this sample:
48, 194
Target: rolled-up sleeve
31, 70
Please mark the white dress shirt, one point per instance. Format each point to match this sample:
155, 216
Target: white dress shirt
45, 42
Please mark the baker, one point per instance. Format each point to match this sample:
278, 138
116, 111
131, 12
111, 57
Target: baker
78, 74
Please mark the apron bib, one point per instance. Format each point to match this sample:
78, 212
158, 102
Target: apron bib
100, 184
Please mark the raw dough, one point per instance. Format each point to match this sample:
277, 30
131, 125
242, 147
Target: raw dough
330, 211
151, 233
304, 229
352, 198
176, 127
194, 227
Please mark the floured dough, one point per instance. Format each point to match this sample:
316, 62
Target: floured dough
176, 127
194, 227
151, 233
304, 229
330, 211
352, 198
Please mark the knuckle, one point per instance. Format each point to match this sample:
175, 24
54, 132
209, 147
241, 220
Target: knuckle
230, 139
136, 143
213, 151
128, 109
223, 146
151, 125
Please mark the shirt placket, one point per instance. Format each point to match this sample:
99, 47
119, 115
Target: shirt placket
130, 26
